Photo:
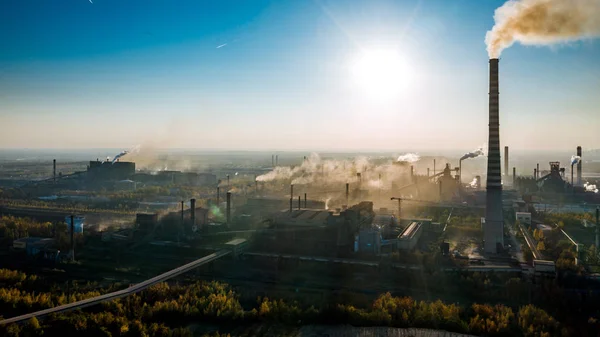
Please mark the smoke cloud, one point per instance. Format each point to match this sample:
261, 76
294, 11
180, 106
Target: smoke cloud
542, 22
338, 172
135, 149
474, 154
590, 187
409, 157
575, 160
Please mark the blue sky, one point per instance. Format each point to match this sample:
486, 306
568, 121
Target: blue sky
118, 73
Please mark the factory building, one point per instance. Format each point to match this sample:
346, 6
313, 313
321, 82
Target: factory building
410, 236
106, 170
524, 218
34, 245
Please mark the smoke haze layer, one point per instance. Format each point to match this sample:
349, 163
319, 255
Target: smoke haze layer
542, 22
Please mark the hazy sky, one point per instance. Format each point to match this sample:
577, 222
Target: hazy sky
278, 75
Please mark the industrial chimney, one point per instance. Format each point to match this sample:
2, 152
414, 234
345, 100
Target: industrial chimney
506, 161
228, 208
579, 166
193, 211
72, 238
54, 170
347, 194
514, 177
493, 232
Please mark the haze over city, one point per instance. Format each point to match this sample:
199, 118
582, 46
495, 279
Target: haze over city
282, 75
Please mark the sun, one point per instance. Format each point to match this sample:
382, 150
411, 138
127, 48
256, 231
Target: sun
381, 74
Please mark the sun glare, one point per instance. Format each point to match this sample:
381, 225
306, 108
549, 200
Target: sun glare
381, 74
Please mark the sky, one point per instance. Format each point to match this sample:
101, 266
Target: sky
262, 75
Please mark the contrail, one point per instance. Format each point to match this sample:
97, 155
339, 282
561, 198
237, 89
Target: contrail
221, 46
542, 22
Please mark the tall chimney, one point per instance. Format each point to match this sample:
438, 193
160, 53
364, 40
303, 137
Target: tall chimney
228, 181
535, 174
228, 208
193, 211
54, 170
506, 161
537, 166
291, 201
299, 202
493, 232
412, 174
597, 228
291, 190
514, 177
579, 166
305, 204
72, 237
434, 167
347, 193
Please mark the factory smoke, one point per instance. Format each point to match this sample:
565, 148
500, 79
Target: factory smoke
590, 187
409, 157
316, 170
135, 149
542, 22
474, 154
575, 160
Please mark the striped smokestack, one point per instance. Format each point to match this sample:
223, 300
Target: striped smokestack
494, 224
579, 166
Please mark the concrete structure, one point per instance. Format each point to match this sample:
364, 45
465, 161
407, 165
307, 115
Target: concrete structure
524, 218
236, 246
493, 232
410, 236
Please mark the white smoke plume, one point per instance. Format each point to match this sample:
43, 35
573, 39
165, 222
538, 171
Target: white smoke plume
409, 157
590, 187
473, 184
323, 172
575, 160
135, 149
542, 22
474, 154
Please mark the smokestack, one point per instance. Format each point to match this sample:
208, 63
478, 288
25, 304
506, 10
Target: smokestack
228, 181
347, 193
54, 170
182, 213
597, 228
493, 232
193, 211
579, 166
535, 174
514, 177
218, 195
291, 190
299, 202
228, 208
291, 200
538, 171
434, 167
506, 161
72, 237
412, 174
305, 204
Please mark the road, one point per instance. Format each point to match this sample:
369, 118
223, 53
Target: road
121, 293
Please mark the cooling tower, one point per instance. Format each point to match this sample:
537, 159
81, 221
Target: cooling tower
494, 223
